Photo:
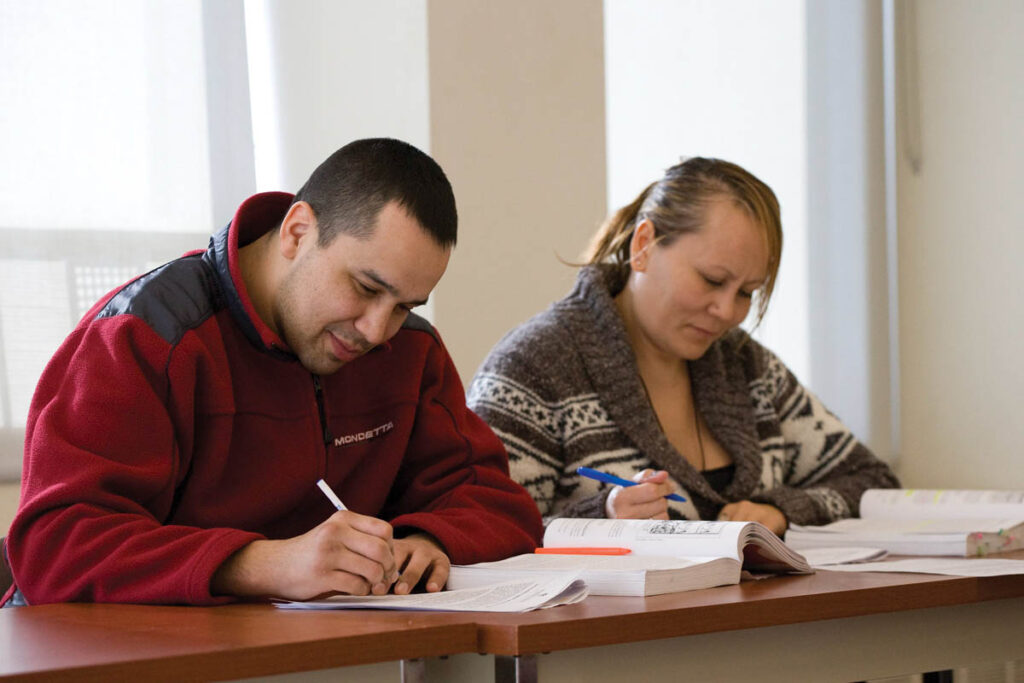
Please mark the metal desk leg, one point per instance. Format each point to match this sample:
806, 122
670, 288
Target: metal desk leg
518, 669
414, 671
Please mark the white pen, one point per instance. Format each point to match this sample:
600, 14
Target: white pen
331, 495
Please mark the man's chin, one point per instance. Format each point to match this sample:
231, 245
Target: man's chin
322, 366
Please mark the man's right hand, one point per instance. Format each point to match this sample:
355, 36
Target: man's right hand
348, 553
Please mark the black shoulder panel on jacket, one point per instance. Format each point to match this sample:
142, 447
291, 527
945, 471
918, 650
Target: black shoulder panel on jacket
172, 299
415, 322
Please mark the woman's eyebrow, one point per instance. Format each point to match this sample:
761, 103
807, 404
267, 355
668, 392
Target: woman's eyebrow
757, 282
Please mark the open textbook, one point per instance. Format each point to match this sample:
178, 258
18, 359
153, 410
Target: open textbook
665, 557
925, 522
607, 574
521, 595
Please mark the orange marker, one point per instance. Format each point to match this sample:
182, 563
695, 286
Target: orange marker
583, 551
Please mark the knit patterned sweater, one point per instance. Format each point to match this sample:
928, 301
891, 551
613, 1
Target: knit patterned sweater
563, 390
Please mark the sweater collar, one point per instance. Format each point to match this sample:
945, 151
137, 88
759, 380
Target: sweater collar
611, 363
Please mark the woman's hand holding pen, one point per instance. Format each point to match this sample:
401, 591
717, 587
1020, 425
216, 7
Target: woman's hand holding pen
645, 500
347, 553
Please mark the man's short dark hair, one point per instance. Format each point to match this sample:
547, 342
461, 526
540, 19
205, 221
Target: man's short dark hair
349, 189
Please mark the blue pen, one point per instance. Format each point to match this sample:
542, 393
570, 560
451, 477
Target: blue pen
612, 479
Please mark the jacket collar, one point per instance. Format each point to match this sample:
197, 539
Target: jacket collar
256, 216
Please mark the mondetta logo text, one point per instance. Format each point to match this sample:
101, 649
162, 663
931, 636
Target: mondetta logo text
364, 436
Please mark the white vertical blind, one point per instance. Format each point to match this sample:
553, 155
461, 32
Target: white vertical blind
722, 79
323, 73
104, 117
851, 342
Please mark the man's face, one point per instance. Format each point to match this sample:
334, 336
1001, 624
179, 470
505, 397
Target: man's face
338, 302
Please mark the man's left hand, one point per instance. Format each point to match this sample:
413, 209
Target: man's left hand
419, 557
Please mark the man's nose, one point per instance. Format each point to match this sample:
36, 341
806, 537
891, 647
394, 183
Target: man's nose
373, 324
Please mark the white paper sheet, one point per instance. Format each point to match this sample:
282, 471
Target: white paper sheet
938, 565
511, 596
825, 557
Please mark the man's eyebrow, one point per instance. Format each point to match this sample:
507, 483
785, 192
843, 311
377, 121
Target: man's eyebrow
390, 288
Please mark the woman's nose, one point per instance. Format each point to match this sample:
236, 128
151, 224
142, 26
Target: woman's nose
723, 306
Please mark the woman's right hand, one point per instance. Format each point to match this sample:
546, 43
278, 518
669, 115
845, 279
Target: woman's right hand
643, 501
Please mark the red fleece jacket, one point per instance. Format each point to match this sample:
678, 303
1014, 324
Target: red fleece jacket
172, 428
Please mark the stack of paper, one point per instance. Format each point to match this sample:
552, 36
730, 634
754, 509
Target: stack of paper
925, 522
512, 596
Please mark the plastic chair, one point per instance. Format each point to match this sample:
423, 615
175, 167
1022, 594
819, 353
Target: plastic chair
6, 578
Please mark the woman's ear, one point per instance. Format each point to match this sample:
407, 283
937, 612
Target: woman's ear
640, 245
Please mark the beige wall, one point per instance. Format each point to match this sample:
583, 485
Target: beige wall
8, 503
960, 249
334, 71
517, 122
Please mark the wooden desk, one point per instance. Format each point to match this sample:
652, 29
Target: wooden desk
136, 642
826, 626
829, 626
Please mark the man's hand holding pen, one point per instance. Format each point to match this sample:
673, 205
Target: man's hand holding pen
347, 553
418, 557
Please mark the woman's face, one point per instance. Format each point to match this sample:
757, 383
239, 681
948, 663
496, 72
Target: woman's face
689, 293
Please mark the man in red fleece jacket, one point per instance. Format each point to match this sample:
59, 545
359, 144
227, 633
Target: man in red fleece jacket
175, 439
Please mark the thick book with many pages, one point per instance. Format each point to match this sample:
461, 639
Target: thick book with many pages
665, 557
925, 522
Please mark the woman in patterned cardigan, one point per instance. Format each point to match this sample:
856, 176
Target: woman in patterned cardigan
642, 371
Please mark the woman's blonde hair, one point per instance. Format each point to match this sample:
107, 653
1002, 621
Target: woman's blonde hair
676, 205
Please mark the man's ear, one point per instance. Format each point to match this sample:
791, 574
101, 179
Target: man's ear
297, 226
640, 245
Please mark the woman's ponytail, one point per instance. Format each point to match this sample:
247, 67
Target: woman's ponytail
611, 243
